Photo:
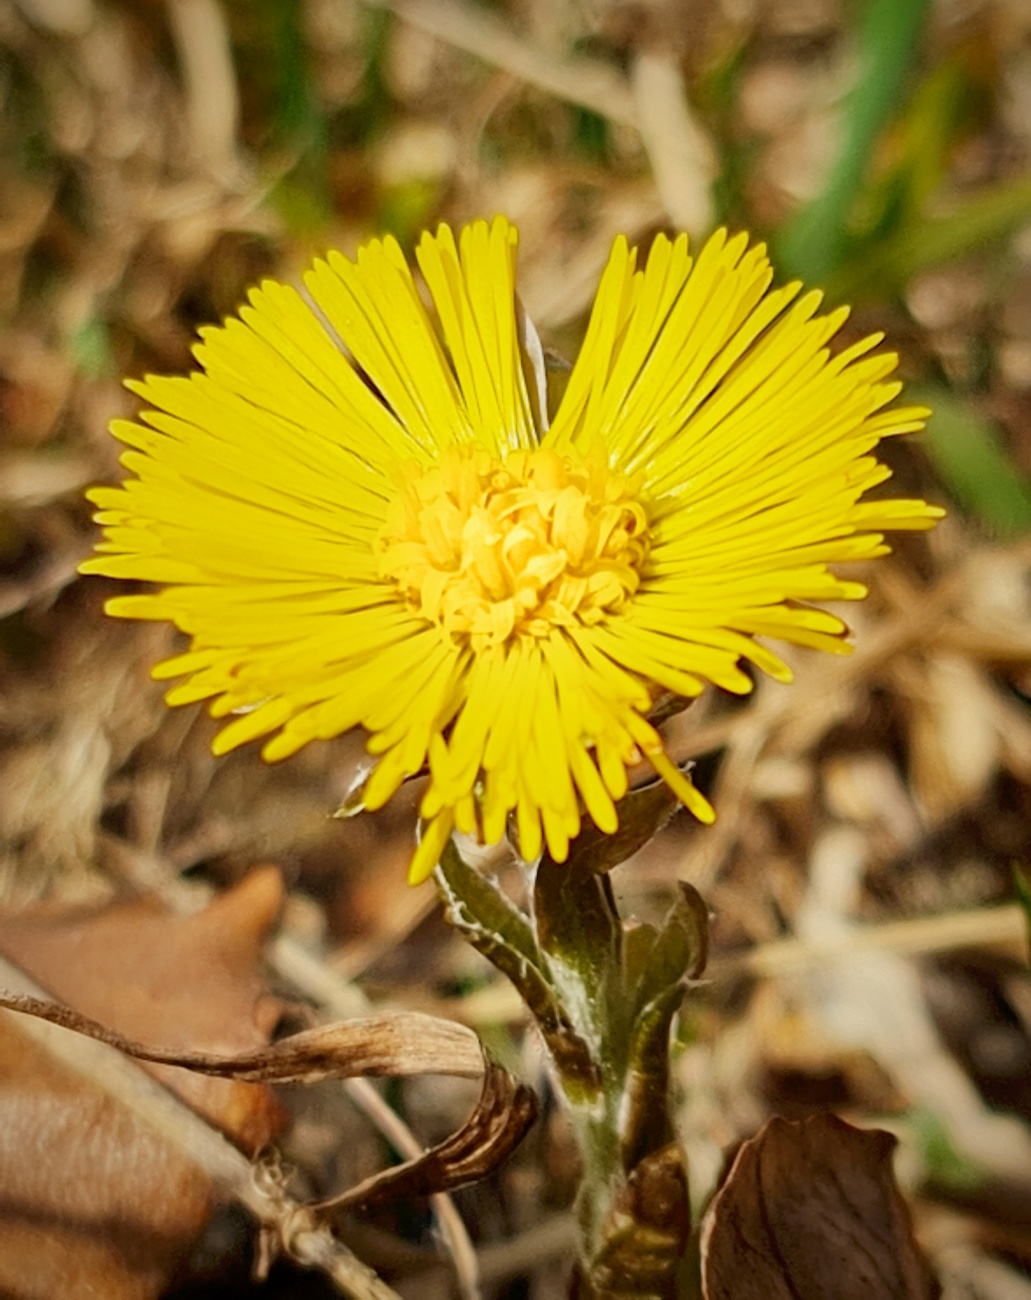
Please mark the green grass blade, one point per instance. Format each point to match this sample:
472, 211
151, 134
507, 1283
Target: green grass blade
981, 222
816, 240
974, 464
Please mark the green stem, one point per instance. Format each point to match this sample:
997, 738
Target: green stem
604, 999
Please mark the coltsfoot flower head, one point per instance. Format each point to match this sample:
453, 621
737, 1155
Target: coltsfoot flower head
392, 537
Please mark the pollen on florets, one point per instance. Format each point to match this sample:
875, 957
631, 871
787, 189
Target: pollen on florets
493, 549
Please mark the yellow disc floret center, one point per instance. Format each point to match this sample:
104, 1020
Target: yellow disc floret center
493, 549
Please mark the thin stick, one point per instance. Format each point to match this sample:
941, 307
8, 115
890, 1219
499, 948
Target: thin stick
343, 1000
449, 1221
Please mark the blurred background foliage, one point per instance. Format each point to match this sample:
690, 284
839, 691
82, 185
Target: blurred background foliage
159, 157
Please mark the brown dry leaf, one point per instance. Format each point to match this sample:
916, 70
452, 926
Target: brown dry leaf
810, 1211
191, 982
92, 1201
646, 1230
504, 1112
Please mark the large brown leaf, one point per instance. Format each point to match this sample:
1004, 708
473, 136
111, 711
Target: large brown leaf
117, 1233
810, 1211
91, 1200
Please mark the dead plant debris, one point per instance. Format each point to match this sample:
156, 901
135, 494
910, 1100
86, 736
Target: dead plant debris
158, 159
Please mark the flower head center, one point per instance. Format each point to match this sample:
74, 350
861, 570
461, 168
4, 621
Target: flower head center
494, 549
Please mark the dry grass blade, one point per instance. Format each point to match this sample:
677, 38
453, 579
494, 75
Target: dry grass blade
682, 156
987, 927
339, 1000
1002, 926
202, 41
586, 82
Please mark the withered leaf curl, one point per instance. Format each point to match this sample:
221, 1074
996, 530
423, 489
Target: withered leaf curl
398, 1044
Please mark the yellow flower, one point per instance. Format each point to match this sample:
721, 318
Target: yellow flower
360, 517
